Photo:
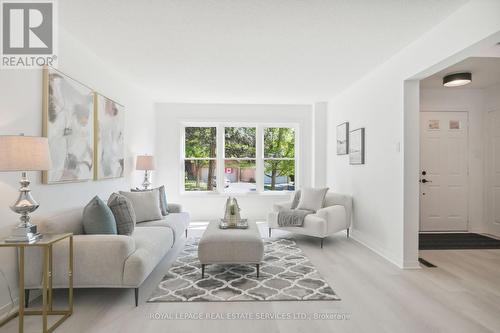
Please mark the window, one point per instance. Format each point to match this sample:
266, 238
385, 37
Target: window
248, 159
200, 152
239, 159
279, 159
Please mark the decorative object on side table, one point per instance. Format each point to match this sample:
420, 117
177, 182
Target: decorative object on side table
24, 153
357, 146
46, 245
146, 163
343, 139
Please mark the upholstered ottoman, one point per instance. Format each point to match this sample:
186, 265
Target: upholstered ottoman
230, 246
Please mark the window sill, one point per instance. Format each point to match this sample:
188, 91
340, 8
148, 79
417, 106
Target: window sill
237, 195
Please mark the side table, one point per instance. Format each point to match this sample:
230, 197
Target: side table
46, 243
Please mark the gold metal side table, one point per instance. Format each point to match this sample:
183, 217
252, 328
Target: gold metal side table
46, 243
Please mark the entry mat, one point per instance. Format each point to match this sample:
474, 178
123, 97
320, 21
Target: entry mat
456, 241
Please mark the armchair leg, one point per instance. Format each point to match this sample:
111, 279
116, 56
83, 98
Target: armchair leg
347, 232
26, 298
136, 292
270, 232
322, 242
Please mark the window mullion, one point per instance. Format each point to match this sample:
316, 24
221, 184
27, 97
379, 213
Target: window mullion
220, 159
259, 163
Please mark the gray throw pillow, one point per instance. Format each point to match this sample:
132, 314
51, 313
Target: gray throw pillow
146, 205
312, 198
97, 218
124, 213
163, 198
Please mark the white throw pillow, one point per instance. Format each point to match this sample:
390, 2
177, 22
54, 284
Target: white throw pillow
312, 198
146, 204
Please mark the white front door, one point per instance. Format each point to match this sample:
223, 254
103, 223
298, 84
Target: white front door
443, 171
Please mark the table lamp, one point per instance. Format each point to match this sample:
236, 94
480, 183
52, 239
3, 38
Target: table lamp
24, 153
146, 163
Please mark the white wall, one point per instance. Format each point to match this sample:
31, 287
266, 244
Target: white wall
382, 212
21, 111
320, 144
472, 101
491, 104
169, 120
492, 98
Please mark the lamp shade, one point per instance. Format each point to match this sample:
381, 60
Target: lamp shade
145, 162
24, 153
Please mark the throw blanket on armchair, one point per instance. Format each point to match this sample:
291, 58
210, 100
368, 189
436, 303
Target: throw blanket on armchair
292, 217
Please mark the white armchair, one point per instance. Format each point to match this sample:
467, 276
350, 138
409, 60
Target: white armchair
333, 217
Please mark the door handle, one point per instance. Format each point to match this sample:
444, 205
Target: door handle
426, 181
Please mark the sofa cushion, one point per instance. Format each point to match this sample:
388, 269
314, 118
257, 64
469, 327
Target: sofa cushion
65, 221
163, 198
98, 218
146, 204
151, 245
312, 198
98, 261
123, 212
178, 222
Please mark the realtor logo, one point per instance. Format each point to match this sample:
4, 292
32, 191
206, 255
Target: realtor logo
27, 33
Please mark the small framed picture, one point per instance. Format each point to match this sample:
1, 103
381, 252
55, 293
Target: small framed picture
357, 146
343, 139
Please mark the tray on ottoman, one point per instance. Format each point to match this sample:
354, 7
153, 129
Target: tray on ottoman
225, 224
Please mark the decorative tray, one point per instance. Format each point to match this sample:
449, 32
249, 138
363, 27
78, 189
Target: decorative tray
242, 224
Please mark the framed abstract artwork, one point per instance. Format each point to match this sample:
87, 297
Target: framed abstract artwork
343, 139
68, 123
357, 146
109, 138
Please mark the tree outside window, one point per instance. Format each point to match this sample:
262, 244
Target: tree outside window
240, 161
279, 159
200, 159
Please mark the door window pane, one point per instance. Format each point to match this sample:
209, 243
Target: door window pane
239, 142
455, 124
433, 124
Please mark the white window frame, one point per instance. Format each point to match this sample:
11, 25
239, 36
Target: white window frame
220, 156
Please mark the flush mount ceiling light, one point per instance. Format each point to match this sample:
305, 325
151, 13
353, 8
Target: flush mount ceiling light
457, 79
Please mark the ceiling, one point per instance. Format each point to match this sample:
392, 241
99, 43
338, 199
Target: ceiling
485, 73
255, 51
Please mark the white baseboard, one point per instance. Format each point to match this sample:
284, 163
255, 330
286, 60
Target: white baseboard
358, 237
8, 308
411, 265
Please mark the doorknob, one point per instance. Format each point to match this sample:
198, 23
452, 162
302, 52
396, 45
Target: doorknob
426, 181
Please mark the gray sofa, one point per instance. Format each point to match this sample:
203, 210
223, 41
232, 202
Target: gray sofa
106, 261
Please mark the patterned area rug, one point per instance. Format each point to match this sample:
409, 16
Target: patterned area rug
286, 274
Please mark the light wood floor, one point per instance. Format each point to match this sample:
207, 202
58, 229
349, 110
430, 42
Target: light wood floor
461, 295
